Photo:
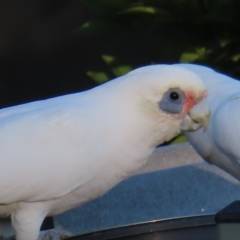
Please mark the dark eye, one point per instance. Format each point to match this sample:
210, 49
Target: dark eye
174, 96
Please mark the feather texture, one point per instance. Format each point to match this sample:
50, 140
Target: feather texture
58, 153
219, 143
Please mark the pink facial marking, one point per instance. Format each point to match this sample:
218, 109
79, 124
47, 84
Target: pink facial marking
191, 100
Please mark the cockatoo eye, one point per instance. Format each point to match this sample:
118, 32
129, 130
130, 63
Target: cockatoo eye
174, 95
172, 101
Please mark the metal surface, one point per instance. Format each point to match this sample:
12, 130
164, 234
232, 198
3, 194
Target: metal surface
187, 228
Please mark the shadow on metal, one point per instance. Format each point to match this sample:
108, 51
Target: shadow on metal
187, 228
224, 225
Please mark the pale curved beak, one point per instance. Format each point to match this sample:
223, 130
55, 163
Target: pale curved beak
199, 116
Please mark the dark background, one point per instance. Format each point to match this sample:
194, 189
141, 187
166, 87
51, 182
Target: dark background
39, 55
44, 52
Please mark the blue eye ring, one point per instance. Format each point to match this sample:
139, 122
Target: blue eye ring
172, 101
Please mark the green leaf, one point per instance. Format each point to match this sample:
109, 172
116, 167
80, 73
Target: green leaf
99, 77
109, 60
228, 41
200, 53
143, 10
188, 57
179, 139
121, 70
203, 52
235, 58
96, 26
118, 66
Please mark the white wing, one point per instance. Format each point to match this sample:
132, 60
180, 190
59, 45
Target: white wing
39, 149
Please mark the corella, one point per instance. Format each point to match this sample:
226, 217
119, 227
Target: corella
59, 153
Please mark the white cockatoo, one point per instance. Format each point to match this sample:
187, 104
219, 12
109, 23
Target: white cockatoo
59, 153
219, 143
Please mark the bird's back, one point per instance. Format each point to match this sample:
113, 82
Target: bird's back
219, 143
55, 146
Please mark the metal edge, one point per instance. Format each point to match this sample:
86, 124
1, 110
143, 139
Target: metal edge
148, 227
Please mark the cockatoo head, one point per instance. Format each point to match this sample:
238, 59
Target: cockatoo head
173, 96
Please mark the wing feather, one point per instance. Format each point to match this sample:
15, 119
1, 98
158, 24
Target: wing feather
40, 146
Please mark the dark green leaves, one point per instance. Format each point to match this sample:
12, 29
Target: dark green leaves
196, 31
117, 66
96, 26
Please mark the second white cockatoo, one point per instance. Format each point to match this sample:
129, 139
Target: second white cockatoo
59, 153
219, 144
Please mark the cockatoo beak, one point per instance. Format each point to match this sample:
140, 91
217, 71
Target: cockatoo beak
199, 116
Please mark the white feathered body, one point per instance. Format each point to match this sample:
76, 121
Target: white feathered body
219, 144
61, 152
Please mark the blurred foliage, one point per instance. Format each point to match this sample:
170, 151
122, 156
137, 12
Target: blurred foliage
200, 31
179, 139
117, 66
204, 32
